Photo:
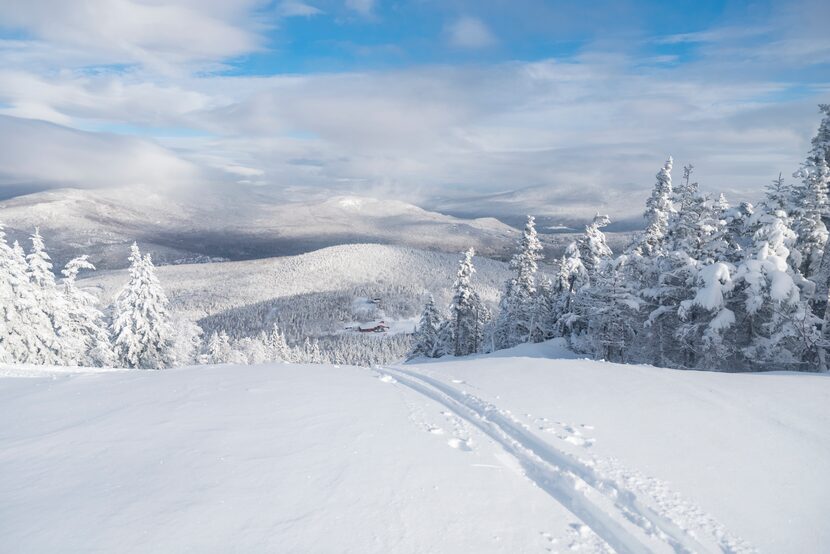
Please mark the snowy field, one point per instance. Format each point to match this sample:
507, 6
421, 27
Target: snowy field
504, 453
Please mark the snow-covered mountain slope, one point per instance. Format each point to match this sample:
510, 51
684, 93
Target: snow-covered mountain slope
206, 289
508, 453
328, 281
237, 224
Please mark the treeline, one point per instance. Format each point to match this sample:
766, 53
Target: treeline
49, 322
705, 286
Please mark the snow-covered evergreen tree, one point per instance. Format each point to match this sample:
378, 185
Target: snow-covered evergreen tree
811, 208
142, 334
705, 317
609, 307
810, 213
252, 350
517, 306
570, 279
187, 343
277, 346
217, 349
87, 339
463, 333
659, 208
11, 344
777, 328
779, 196
684, 231
426, 335
53, 329
310, 352
31, 336
543, 324
820, 143
593, 247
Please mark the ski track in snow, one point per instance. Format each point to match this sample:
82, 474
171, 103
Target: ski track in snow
607, 498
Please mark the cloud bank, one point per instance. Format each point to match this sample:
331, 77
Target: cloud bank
153, 97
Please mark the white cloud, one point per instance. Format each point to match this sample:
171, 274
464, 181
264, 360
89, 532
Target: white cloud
583, 129
470, 32
294, 8
365, 8
39, 152
157, 35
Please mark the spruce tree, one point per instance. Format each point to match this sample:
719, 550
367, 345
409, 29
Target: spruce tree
465, 329
516, 309
277, 346
426, 335
593, 248
88, 340
217, 348
778, 329
543, 324
571, 278
31, 335
659, 208
811, 209
11, 346
609, 307
814, 168
52, 327
141, 330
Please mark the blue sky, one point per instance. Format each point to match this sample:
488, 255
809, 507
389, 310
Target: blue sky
576, 103
397, 34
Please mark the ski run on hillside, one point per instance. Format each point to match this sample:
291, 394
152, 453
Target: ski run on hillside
508, 452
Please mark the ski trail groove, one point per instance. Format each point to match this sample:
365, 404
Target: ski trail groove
557, 473
562, 486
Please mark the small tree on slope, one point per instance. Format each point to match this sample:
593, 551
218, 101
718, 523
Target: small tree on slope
610, 307
32, 337
516, 310
812, 207
55, 327
13, 277
593, 248
659, 208
570, 279
463, 333
88, 339
277, 347
143, 337
426, 336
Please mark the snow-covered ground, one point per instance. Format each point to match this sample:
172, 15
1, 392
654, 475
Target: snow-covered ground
513, 452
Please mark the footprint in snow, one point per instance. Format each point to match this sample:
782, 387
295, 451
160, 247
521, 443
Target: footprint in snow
460, 444
579, 441
436, 430
569, 433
